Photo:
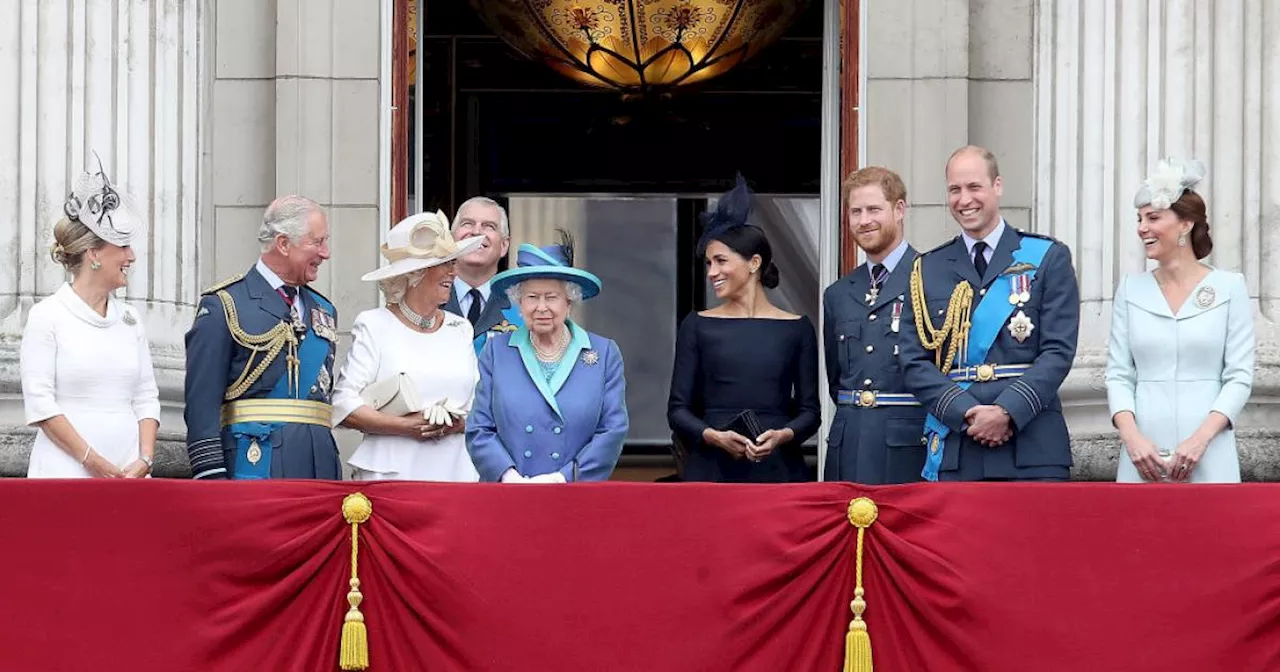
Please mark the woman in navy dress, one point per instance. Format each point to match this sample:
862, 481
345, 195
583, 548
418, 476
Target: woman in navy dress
744, 355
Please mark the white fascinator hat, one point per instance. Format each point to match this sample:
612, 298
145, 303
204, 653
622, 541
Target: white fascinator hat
95, 202
1166, 184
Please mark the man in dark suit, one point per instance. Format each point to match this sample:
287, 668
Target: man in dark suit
471, 297
875, 437
260, 359
989, 335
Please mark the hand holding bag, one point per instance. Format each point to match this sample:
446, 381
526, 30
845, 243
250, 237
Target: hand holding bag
395, 395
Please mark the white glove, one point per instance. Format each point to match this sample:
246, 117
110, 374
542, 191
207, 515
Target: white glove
443, 414
553, 477
513, 476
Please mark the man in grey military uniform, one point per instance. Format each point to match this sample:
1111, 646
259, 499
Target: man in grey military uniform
471, 298
989, 336
260, 359
875, 437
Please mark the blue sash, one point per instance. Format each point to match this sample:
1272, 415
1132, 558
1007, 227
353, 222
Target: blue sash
511, 321
313, 351
988, 319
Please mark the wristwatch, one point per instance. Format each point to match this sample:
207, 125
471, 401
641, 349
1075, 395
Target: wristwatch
148, 460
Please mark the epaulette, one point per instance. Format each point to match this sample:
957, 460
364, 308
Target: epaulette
946, 244
222, 285
1042, 236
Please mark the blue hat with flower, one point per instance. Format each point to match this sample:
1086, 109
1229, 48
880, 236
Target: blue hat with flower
553, 262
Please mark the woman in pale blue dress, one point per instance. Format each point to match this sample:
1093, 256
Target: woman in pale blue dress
1180, 356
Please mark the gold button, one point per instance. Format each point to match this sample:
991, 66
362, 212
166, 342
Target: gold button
873, 317
871, 348
986, 372
867, 398
982, 292
867, 382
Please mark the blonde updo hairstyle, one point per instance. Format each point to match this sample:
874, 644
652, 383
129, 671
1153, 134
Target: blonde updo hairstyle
72, 240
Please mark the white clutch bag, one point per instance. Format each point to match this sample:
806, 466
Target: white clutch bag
396, 395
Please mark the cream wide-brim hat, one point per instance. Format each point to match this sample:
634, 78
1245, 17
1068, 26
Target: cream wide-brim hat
420, 241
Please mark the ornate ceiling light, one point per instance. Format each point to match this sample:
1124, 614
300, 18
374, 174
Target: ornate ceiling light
639, 45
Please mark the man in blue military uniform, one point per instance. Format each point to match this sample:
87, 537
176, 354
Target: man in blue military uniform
875, 436
989, 335
260, 359
471, 297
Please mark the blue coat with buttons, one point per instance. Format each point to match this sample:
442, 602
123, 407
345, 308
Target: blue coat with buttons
872, 445
575, 423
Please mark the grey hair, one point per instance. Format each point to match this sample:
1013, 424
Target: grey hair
572, 291
286, 216
395, 287
503, 225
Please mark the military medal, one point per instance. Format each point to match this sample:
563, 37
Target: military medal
324, 380
1020, 327
298, 325
254, 453
1205, 297
1019, 289
897, 317
873, 295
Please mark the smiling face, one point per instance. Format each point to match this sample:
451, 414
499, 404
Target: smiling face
480, 219
113, 265
1159, 230
972, 194
544, 305
302, 259
728, 272
876, 224
436, 285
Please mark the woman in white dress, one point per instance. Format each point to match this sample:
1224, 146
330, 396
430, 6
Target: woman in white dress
412, 335
87, 382
1180, 356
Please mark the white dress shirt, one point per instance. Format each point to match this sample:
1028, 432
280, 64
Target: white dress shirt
276, 283
992, 239
462, 291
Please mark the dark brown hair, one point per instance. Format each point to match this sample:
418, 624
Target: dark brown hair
1190, 208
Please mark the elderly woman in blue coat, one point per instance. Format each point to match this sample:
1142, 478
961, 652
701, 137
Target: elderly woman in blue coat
551, 404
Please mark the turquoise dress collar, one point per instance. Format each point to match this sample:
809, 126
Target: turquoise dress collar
579, 342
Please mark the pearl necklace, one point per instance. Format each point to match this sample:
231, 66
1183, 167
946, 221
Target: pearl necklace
421, 322
557, 352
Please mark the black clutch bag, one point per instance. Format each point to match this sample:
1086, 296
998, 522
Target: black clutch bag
747, 424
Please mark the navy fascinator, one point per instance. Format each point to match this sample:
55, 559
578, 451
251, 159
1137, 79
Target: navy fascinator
732, 210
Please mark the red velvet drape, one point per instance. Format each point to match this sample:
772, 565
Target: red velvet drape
163, 575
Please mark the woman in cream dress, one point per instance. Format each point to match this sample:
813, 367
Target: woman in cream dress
1180, 356
87, 381
413, 336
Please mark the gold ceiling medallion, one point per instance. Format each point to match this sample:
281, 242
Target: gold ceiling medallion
639, 45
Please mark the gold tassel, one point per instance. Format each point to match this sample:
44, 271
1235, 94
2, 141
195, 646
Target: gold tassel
857, 642
354, 653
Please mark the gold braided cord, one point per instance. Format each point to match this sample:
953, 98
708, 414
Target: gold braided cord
270, 342
862, 513
955, 324
354, 647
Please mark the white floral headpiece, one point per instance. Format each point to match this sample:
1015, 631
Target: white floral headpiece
94, 202
1167, 182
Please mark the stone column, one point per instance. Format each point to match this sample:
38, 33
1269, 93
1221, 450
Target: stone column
120, 79
1119, 85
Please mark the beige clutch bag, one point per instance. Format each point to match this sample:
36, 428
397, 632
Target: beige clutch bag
396, 395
